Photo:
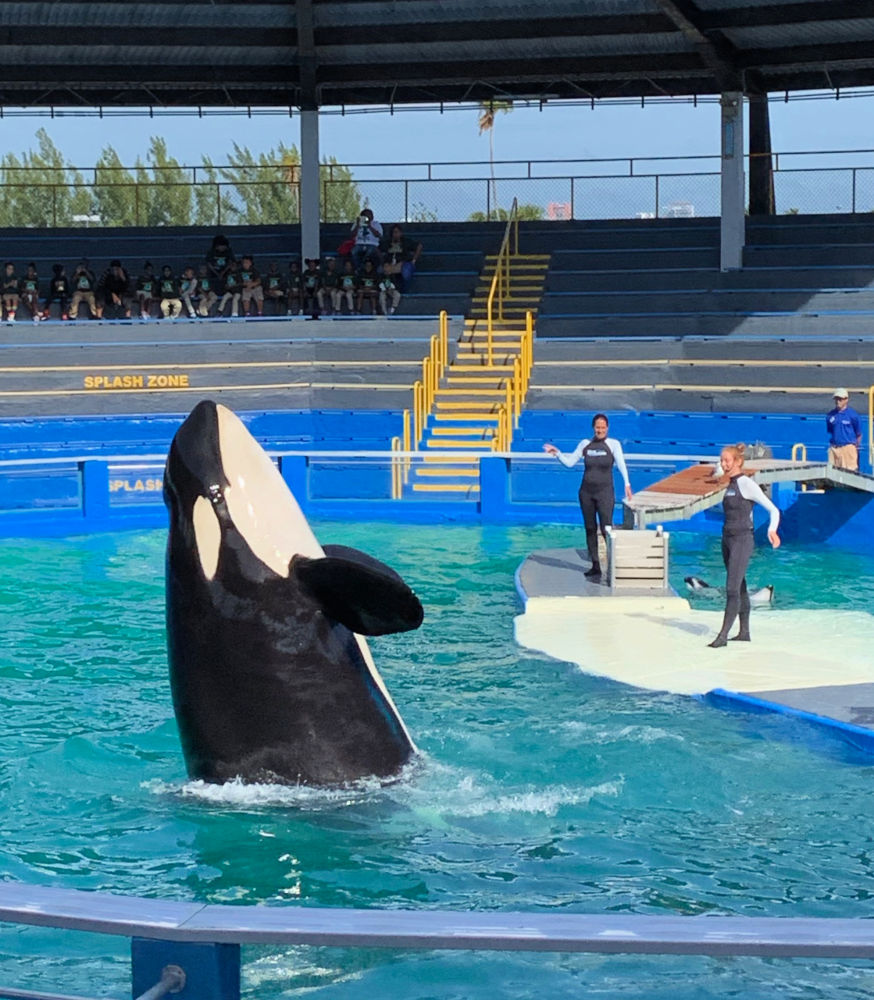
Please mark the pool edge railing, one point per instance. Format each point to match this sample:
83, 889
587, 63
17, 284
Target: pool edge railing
204, 940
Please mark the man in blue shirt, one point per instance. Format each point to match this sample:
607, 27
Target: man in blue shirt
844, 433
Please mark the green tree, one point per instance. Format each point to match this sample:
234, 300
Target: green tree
526, 213
115, 190
164, 188
488, 110
266, 189
40, 189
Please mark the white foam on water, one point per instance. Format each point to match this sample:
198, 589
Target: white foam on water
238, 795
469, 800
598, 734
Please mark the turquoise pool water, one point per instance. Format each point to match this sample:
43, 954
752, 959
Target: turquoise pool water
540, 787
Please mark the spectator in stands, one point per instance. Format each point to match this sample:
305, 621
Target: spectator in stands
327, 292
10, 292
168, 291
368, 287
206, 296
599, 454
28, 291
389, 296
252, 288
347, 287
233, 290
219, 258
188, 291
83, 289
400, 254
274, 286
844, 433
295, 288
367, 233
146, 290
59, 291
113, 292
311, 280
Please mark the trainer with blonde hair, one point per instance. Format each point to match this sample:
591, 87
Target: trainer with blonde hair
741, 495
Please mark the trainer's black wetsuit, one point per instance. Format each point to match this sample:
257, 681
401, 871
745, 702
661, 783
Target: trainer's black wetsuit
596, 490
596, 495
741, 495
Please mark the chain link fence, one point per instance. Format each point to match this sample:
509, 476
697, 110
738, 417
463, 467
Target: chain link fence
442, 192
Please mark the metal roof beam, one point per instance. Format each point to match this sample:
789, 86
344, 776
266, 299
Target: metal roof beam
717, 53
770, 15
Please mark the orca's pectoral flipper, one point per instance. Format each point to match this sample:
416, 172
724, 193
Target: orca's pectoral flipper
359, 591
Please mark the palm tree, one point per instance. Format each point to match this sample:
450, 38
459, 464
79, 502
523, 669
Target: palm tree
486, 122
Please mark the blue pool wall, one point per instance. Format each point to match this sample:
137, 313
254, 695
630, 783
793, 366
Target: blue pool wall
60, 475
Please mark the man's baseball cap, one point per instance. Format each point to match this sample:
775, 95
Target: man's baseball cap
840, 394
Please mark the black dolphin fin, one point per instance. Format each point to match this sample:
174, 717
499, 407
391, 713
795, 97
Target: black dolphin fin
359, 591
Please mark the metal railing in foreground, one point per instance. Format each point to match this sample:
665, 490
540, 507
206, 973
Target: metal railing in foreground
204, 941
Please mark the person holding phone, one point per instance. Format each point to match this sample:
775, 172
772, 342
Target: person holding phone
367, 233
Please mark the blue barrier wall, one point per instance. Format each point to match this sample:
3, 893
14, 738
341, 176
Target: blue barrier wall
64, 475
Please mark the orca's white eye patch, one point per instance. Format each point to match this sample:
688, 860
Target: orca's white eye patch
207, 535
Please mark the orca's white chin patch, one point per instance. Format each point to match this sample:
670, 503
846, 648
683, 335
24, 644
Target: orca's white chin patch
260, 504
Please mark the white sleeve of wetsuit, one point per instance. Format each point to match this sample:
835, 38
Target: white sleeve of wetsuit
619, 459
571, 460
751, 490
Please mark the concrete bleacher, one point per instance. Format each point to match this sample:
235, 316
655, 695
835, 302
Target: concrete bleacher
447, 274
802, 275
700, 375
661, 328
358, 364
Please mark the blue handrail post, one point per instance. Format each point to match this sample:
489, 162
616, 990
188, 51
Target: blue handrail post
95, 491
212, 971
494, 487
295, 471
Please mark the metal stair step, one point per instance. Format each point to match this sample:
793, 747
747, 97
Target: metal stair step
471, 393
446, 487
452, 418
471, 405
490, 381
494, 369
450, 444
449, 471
472, 431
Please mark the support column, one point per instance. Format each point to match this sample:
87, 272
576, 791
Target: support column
761, 166
732, 219
309, 183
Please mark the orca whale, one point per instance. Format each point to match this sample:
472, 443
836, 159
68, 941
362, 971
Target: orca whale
271, 678
764, 595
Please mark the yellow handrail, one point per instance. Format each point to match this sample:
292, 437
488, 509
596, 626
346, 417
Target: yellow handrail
406, 445
396, 469
501, 280
426, 388
418, 409
799, 452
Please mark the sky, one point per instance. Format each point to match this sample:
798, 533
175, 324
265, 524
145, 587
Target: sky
555, 132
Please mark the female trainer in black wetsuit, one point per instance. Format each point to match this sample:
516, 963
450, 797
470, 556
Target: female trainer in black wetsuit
737, 540
597, 497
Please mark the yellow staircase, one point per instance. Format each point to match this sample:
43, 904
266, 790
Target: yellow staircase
471, 404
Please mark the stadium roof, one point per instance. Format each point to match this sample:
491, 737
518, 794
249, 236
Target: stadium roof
307, 53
